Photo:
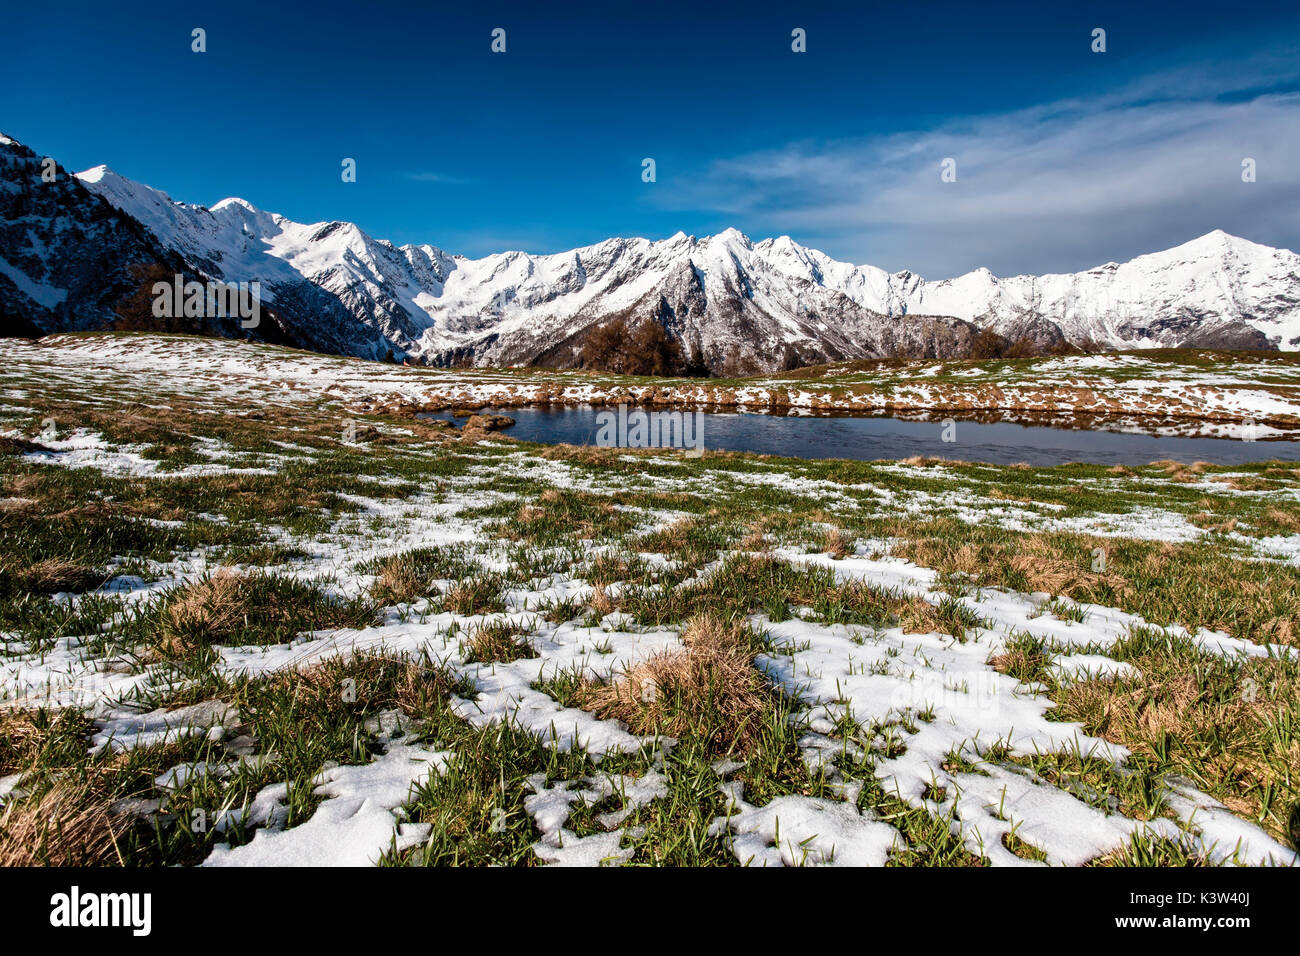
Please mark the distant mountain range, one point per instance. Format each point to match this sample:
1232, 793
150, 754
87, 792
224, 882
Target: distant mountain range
72, 250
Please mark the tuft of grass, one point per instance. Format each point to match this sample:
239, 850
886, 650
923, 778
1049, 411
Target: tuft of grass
1162, 582
402, 578
1230, 726
497, 642
1025, 658
1148, 850
67, 822
47, 576
709, 690
479, 594
836, 543
559, 517
258, 608
1030, 563
1026, 851
31, 739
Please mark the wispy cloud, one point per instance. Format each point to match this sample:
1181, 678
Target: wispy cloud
428, 176
1057, 187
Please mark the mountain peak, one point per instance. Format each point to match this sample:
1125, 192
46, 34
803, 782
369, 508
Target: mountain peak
730, 238
1214, 239
97, 174
234, 201
1214, 245
118, 189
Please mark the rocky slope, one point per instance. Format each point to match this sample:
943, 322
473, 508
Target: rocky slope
67, 257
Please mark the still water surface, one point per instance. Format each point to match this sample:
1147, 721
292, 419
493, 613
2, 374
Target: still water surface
870, 438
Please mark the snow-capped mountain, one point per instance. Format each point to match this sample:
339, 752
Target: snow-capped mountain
744, 306
340, 289
1216, 290
719, 294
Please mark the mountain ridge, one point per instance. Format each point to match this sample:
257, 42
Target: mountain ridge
741, 305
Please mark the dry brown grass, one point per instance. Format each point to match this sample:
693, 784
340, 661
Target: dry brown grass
672, 538
1284, 519
1155, 564
709, 688
205, 610
1234, 743
1042, 564
1000, 495
583, 454
21, 738
1208, 522
836, 543
27, 735
917, 616
229, 605
1022, 660
1179, 472
23, 486
67, 823
474, 595
765, 531
1249, 483
54, 574
497, 643
966, 559
600, 603
398, 582
1056, 575
478, 427
1281, 630
370, 682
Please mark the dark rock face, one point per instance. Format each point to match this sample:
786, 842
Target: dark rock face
69, 257
1228, 336
1191, 329
1039, 333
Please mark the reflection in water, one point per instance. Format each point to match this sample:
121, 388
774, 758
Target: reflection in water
870, 438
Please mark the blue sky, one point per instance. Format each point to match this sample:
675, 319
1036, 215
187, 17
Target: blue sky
1065, 158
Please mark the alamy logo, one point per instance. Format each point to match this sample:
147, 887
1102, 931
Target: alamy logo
640, 429
74, 908
210, 300
978, 691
